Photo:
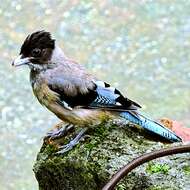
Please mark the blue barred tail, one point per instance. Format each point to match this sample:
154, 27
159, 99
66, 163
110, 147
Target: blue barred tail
151, 125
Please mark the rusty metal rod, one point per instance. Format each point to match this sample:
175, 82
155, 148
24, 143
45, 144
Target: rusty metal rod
143, 159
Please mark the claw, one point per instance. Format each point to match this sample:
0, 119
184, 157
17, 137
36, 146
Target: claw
72, 143
65, 148
60, 132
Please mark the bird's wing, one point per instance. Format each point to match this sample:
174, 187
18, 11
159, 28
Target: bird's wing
110, 98
78, 92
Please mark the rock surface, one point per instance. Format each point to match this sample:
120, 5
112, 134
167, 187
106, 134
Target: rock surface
107, 148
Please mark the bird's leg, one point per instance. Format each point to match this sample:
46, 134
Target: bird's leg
58, 131
72, 143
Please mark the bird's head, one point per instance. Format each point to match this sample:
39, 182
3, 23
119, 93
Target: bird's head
36, 51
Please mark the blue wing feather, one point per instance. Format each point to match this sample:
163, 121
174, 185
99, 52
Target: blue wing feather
110, 98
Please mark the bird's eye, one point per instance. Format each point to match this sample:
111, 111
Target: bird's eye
36, 52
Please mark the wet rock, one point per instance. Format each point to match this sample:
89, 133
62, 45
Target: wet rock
107, 148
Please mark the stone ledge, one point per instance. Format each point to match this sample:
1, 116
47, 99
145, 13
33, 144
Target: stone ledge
106, 149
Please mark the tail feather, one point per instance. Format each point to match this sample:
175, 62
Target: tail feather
151, 126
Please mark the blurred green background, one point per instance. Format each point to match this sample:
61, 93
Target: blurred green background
140, 46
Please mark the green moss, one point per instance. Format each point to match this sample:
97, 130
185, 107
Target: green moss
102, 130
91, 145
186, 169
50, 149
156, 188
98, 134
121, 187
86, 177
157, 168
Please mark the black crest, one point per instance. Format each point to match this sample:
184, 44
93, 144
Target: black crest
40, 39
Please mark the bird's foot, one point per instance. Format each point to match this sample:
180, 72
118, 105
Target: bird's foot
59, 131
72, 143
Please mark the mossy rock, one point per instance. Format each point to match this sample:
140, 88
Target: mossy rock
107, 148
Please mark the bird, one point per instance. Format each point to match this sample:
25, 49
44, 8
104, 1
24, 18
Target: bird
74, 95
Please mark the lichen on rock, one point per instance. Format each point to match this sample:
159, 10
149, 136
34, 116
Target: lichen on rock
108, 147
